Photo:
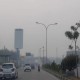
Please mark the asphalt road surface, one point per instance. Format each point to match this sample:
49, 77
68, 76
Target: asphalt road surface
35, 75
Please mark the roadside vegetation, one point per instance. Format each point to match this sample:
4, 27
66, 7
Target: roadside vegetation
69, 62
53, 66
65, 69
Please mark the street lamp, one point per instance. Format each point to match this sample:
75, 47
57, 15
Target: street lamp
46, 27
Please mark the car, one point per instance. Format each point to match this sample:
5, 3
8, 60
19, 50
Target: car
8, 70
27, 67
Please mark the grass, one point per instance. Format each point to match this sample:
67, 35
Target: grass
60, 76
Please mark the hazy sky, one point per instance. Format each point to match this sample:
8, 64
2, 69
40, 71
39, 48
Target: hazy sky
24, 14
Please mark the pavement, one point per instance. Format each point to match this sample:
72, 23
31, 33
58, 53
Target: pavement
35, 75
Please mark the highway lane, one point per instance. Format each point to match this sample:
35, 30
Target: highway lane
35, 75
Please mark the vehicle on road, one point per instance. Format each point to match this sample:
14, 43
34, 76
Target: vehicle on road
8, 70
27, 67
29, 59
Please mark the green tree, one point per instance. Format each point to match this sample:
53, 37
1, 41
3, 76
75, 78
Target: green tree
73, 35
69, 62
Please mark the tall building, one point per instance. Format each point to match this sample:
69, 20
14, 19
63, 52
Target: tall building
18, 43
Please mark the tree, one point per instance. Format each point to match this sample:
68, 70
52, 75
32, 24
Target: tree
63, 65
69, 62
73, 35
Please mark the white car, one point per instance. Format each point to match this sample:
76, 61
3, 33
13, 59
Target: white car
27, 67
8, 70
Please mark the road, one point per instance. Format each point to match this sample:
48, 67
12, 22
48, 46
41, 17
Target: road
35, 75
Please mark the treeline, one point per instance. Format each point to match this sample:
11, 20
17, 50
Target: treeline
68, 63
53, 66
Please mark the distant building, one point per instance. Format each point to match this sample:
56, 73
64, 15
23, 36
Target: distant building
8, 56
28, 54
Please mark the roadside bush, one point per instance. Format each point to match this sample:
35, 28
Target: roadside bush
69, 62
53, 66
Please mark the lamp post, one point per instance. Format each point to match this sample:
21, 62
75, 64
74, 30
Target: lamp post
46, 27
